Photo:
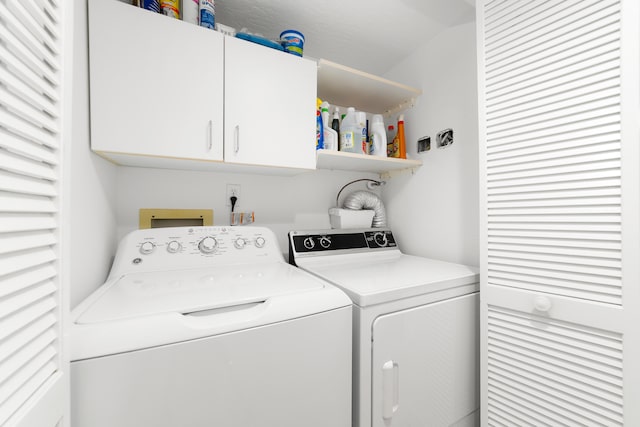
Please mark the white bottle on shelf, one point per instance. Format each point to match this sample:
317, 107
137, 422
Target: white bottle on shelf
378, 137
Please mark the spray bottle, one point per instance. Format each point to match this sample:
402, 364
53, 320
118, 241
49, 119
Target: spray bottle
319, 127
330, 135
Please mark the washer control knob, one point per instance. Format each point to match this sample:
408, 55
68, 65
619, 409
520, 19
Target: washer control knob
208, 245
260, 242
380, 239
173, 247
146, 248
309, 243
239, 243
325, 241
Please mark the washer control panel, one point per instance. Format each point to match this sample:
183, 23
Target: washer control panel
185, 247
302, 242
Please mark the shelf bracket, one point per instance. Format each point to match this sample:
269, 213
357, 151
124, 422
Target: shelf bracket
396, 172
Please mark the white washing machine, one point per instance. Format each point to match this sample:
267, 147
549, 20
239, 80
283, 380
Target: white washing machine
416, 333
210, 326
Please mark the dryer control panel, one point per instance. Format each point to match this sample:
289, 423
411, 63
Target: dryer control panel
333, 241
185, 247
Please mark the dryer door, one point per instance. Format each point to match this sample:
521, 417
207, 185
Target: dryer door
425, 365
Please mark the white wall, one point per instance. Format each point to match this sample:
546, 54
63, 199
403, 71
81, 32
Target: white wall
281, 203
434, 212
92, 202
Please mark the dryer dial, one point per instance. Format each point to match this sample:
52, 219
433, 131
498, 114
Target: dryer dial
309, 243
260, 242
239, 243
381, 239
325, 241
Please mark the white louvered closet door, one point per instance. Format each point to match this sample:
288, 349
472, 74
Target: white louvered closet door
33, 383
559, 163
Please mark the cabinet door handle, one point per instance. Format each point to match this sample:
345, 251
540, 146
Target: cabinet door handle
210, 142
390, 392
236, 140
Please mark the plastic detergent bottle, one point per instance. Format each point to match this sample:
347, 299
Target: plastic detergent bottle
319, 127
207, 14
402, 146
330, 135
190, 11
335, 123
350, 133
378, 137
361, 116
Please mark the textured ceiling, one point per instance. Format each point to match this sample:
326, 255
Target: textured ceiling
370, 35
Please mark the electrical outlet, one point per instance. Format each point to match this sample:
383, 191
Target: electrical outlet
233, 190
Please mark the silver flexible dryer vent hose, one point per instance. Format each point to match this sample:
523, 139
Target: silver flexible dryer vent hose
359, 200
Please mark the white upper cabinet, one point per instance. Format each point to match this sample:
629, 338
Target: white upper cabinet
156, 85
270, 106
166, 93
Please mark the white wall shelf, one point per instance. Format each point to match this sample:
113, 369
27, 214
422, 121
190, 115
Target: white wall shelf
339, 160
348, 87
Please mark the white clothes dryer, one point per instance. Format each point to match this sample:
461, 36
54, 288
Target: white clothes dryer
210, 326
416, 331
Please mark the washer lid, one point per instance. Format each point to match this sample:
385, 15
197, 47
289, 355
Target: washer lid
189, 291
374, 278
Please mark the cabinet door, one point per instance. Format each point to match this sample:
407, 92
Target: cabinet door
560, 214
425, 364
156, 84
270, 104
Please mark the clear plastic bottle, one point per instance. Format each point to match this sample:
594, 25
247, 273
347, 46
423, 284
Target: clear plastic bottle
350, 133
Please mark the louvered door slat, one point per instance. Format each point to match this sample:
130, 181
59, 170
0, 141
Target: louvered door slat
12, 182
27, 103
21, 241
26, 203
584, 357
20, 71
30, 345
27, 316
42, 16
610, 130
27, 39
26, 130
34, 26
26, 166
568, 150
26, 279
27, 57
29, 149
14, 262
26, 222
605, 385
